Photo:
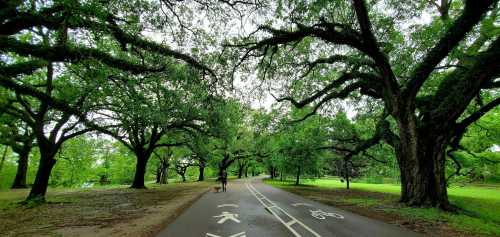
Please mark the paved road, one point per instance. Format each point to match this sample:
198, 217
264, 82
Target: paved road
253, 209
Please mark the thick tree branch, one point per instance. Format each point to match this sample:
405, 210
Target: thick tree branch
64, 53
477, 115
373, 50
470, 16
348, 60
334, 84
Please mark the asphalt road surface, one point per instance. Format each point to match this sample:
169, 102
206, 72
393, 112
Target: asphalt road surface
252, 209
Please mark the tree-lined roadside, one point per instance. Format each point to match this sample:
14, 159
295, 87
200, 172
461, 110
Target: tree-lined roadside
100, 93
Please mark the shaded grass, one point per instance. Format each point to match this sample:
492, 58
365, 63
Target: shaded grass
480, 205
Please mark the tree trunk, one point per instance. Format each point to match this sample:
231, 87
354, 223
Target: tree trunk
164, 176
162, 172
140, 169
41, 183
183, 177
421, 159
159, 173
297, 176
201, 173
246, 172
346, 173
240, 171
22, 170
4, 155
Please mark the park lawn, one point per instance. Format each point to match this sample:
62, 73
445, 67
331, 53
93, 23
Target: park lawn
480, 206
100, 211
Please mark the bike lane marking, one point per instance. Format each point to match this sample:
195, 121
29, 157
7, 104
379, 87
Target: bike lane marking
271, 205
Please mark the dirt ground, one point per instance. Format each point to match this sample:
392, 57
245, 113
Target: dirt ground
337, 198
105, 212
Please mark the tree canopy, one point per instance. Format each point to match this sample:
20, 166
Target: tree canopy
395, 88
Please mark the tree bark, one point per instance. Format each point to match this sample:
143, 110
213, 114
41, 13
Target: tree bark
140, 169
421, 159
158, 173
22, 170
162, 172
164, 176
246, 172
42, 177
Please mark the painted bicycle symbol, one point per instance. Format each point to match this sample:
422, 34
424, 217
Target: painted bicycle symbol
321, 215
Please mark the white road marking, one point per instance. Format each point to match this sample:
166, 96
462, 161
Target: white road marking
227, 205
241, 234
301, 204
273, 206
227, 216
290, 222
320, 214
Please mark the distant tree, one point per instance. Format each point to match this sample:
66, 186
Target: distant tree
298, 143
20, 137
182, 164
146, 113
163, 165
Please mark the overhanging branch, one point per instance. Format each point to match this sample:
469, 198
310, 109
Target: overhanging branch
470, 16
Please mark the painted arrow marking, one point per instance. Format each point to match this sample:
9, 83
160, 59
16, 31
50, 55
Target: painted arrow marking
227, 205
227, 216
301, 204
241, 234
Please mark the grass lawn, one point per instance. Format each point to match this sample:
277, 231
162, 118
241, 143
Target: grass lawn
480, 204
100, 211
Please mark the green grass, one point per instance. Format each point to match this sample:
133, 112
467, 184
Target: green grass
480, 204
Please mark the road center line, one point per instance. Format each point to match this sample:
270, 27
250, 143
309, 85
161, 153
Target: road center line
273, 206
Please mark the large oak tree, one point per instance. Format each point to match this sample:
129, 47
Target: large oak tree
426, 76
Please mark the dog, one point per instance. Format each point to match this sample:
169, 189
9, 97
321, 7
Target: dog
217, 189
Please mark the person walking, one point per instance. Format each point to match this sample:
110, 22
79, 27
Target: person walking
223, 180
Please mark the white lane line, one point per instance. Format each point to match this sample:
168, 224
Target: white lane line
301, 204
241, 234
291, 222
273, 206
227, 205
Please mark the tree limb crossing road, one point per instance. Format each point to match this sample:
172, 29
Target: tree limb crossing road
253, 209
